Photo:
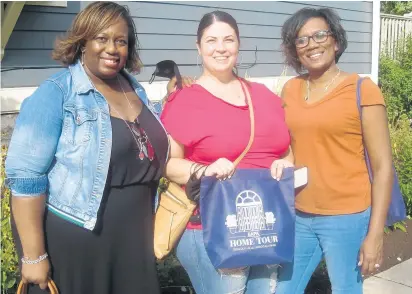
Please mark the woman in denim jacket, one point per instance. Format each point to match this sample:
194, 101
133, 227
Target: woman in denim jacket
84, 163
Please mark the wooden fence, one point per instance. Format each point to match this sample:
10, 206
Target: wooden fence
393, 29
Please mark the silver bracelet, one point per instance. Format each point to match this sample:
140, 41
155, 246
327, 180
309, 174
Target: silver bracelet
26, 260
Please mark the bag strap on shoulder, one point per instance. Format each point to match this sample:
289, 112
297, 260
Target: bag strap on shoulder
358, 103
252, 123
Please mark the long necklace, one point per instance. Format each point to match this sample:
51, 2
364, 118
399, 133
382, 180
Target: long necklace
325, 89
138, 134
124, 93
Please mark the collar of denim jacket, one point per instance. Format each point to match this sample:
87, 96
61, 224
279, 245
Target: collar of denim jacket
82, 83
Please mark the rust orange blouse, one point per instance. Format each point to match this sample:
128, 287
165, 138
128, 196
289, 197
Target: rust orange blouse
326, 138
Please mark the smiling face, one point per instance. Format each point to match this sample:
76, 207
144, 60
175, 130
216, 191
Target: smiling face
316, 56
219, 48
106, 54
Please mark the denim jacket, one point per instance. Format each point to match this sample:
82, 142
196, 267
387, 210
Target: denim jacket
61, 145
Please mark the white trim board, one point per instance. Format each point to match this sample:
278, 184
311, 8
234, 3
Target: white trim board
12, 98
376, 34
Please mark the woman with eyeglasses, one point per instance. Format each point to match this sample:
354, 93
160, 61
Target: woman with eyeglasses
340, 215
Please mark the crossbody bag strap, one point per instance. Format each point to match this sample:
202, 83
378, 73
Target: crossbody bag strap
358, 103
252, 123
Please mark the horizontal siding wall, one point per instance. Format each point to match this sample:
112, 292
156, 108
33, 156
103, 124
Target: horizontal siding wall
167, 30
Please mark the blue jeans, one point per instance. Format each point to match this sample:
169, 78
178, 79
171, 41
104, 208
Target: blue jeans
206, 279
338, 238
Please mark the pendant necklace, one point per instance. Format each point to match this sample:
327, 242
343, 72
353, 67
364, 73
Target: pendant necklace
138, 134
325, 89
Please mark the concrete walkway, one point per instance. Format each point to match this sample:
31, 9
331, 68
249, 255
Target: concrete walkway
396, 280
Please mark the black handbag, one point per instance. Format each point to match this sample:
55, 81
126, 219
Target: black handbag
192, 187
192, 190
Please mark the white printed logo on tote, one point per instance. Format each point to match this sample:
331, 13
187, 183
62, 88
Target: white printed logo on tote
251, 227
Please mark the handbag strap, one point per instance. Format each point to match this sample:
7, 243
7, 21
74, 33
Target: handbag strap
358, 103
252, 123
22, 288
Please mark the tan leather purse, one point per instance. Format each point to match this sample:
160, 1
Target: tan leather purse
22, 289
171, 218
175, 209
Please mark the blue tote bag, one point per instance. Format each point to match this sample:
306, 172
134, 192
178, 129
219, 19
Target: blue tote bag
397, 209
250, 218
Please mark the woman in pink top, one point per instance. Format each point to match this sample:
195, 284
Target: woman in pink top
209, 125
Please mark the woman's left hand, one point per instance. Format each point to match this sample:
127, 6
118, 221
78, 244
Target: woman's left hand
276, 169
370, 255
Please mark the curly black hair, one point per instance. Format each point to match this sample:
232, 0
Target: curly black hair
292, 26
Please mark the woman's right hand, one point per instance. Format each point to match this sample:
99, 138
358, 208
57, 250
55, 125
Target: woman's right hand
38, 273
221, 169
172, 84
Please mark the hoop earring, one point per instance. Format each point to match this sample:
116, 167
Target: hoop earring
83, 57
247, 76
241, 58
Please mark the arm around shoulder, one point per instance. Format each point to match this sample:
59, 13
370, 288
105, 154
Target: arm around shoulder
34, 141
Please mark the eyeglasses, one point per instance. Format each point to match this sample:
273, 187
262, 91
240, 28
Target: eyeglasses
318, 37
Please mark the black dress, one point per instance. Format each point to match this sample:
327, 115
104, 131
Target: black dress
117, 257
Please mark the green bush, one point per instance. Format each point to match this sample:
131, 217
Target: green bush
396, 7
9, 262
401, 135
171, 273
395, 79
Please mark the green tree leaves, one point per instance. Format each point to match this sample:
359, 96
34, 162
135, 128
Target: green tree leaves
396, 7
